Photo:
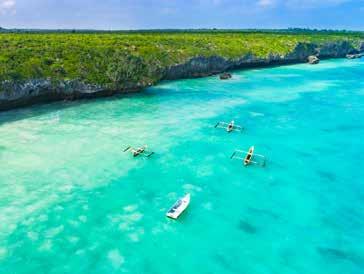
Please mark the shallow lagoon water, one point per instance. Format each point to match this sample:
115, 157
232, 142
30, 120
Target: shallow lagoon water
72, 202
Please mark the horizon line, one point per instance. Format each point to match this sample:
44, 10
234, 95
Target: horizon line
185, 29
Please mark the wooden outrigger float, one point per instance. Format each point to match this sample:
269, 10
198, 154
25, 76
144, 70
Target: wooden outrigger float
229, 126
141, 151
249, 157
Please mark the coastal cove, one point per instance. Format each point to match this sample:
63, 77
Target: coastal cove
72, 202
87, 66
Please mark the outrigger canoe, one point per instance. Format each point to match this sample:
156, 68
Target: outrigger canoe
176, 210
138, 151
142, 151
249, 156
229, 126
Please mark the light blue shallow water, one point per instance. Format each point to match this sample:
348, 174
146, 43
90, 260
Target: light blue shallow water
72, 202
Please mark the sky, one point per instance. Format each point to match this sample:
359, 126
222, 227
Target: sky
162, 14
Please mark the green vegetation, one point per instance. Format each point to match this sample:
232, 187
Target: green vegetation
114, 59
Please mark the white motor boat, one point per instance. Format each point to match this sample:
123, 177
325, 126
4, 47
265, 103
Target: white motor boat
176, 210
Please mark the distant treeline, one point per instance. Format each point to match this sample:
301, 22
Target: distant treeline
202, 30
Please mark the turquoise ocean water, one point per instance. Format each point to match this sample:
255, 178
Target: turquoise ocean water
72, 202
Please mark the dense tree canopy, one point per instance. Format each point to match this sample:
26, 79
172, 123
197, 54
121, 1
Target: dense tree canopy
115, 58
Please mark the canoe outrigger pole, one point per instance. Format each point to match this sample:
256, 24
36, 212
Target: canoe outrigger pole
141, 151
229, 126
249, 157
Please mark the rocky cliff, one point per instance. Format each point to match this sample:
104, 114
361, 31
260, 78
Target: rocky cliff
14, 95
202, 66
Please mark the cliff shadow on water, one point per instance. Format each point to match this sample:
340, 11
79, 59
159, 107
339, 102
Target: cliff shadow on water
54, 106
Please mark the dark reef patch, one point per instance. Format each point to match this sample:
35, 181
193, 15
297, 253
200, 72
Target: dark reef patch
340, 128
262, 212
332, 252
247, 227
305, 154
350, 128
337, 254
221, 260
327, 175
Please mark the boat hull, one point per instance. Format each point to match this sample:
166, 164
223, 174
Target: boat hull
249, 156
179, 207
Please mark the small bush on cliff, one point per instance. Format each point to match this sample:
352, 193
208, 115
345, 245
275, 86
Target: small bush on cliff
125, 68
32, 68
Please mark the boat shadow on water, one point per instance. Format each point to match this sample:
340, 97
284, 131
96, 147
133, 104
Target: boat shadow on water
182, 219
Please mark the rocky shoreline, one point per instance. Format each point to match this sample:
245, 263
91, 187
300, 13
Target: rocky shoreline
45, 90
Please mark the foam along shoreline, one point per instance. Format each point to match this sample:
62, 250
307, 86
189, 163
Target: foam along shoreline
35, 91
